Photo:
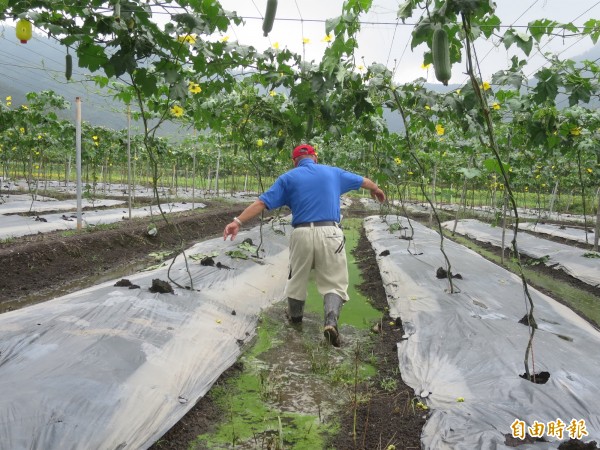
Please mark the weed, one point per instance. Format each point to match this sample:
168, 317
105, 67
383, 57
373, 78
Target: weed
7, 240
537, 261
591, 255
389, 384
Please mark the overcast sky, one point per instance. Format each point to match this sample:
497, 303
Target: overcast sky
382, 41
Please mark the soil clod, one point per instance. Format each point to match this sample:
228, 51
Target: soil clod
162, 287
528, 320
207, 261
537, 378
124, 282
443, 273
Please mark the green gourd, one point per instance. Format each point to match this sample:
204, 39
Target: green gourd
269, 16
69, 66
440, 51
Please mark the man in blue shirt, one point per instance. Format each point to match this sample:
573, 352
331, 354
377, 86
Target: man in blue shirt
312, 191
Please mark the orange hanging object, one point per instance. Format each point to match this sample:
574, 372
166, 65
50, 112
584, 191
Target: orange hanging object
23, 30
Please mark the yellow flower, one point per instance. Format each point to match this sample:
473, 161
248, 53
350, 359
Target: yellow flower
194, 88
409, 172
458, 91
95, 138
575, 131
398, 161
177, 111
360, 67
425, 66
24, 107
9, 98
260, 142
272, 93
526, 188
496, 106
327, 38
460, 399
280, 133
8, 103
537, 176
589, 170
189, 38
39, 136
427, 107
276, 45
224, 38
22, 130
439, 129
485, 85
305, 40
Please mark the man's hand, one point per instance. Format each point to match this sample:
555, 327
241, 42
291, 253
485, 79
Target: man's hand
231, 230
378, 195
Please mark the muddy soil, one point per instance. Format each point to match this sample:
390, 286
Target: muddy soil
388, 419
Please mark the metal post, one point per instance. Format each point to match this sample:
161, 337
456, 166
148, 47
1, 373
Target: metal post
129, 186
78, 157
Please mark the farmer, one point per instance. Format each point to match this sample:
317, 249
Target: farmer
312, 192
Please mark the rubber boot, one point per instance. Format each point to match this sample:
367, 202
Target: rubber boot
332, 305
295, 311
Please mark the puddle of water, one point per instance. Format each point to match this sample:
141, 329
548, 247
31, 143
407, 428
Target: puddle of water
357, 311
293, 383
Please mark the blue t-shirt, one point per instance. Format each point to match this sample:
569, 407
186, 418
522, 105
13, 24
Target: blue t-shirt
312, 191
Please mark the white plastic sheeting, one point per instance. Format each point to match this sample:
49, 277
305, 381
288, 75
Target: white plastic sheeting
491, 212
560, 256
16, 226
572, 234
470, 345
122, 190
114, 368
50, 204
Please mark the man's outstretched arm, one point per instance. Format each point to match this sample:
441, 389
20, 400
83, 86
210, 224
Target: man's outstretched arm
249, 213
376, 193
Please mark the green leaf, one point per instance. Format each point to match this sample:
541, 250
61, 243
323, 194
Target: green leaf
422, 33
489, 24
591, 255
540, 28
547, 86
492, 165
405, 11
523, 40
91, 56
592, 28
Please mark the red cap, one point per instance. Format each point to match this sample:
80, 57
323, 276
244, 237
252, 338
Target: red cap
302, 150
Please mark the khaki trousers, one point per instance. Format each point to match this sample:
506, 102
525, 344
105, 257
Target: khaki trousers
322, 249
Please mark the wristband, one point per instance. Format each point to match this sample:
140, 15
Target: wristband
238, 221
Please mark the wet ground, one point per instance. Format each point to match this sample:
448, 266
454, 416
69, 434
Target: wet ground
310, 395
